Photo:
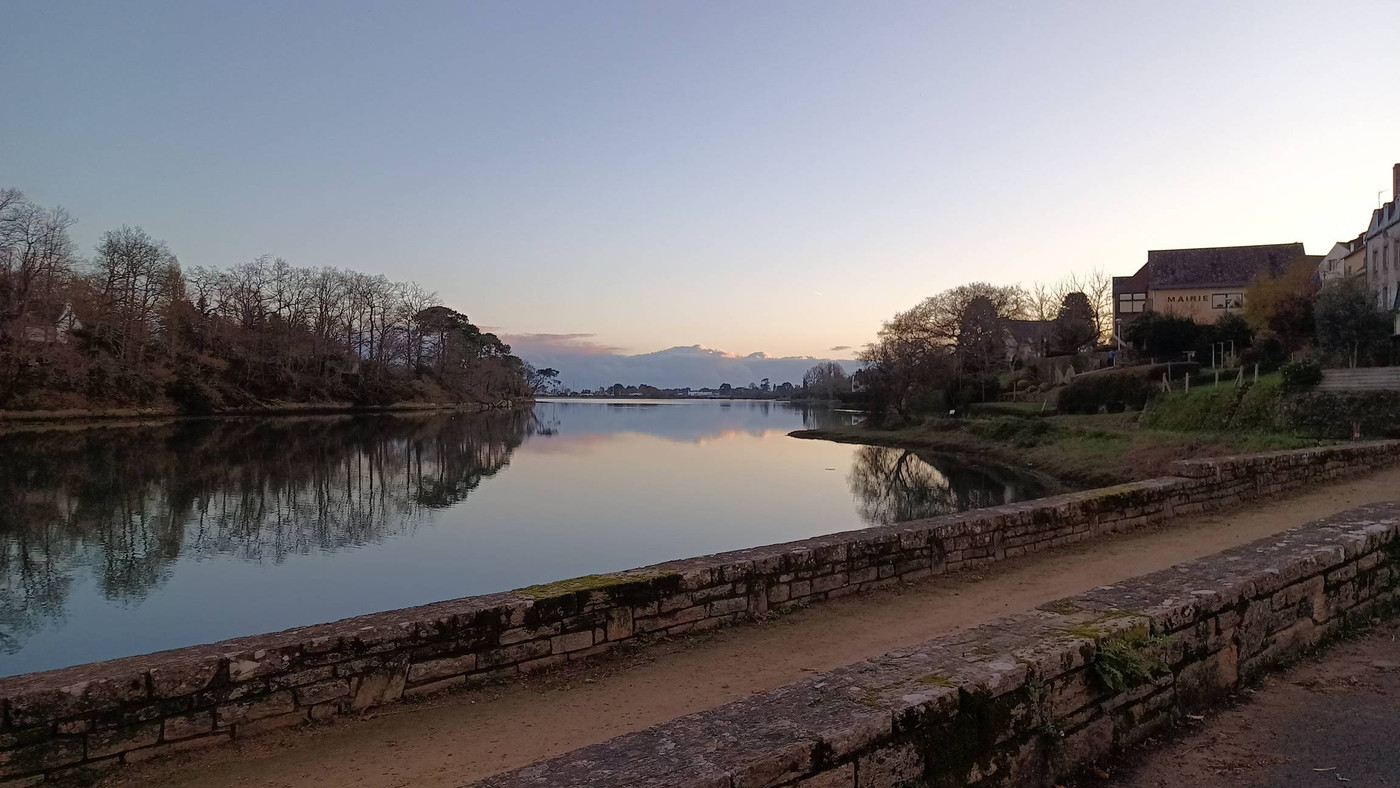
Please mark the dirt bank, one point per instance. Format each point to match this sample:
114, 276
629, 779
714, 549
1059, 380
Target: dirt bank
450, 740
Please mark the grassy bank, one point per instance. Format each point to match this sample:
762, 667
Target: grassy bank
1267, 407
1083, 451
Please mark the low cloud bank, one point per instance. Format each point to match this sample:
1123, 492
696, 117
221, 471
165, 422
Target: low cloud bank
585, 364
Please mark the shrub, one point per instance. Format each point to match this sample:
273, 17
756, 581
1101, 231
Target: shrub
1330, 414
1119, 389
1299, 375
1269, 353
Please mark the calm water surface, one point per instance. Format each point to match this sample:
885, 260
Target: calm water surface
122, 541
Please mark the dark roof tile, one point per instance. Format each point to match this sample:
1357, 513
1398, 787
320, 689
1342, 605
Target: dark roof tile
1221, 266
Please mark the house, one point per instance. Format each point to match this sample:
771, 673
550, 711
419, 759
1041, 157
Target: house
1028, 339
1346, 258
1383, 252
1201, 284
51, 322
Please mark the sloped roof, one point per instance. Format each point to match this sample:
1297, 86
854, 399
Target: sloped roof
1221, 266
1028, 332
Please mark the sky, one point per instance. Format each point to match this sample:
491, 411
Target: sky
614, 178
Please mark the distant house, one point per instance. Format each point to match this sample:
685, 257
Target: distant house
1027, 340
1383, 251
1200, 284
49, 322
860, 380
1346, 258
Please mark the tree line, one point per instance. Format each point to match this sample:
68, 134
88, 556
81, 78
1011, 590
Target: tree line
118, 509
953, 345
129, 325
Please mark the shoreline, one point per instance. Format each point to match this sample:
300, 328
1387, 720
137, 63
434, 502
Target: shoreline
103, 417
1080, 452
958, 451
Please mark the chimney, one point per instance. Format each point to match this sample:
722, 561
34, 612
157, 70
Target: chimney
1395, 183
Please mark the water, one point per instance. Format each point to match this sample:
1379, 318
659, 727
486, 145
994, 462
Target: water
126, 540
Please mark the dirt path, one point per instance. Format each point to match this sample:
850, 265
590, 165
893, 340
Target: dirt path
451, 740
1334, 720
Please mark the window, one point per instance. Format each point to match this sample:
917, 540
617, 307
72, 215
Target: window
1132, 302
1227, 301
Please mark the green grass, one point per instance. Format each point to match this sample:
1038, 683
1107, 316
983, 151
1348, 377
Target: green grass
1082, 451
1211, 408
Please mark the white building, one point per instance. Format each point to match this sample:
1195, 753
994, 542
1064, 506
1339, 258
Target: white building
1383, 251
1347, 258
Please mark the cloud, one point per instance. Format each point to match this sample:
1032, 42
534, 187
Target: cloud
839, 348
584, 363
525, 345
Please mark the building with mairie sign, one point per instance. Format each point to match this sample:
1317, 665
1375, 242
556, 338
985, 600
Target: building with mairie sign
1201, 284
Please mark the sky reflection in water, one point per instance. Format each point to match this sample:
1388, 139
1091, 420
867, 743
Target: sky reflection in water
121, 541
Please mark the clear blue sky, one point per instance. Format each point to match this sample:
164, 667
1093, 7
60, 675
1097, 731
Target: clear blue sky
776, 176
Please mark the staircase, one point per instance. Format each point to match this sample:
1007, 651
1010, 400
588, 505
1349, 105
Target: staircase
1366, 379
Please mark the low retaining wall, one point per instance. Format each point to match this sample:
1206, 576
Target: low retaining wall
124, 710
1029, 699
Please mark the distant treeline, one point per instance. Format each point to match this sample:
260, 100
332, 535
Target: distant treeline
129, 326
825, 381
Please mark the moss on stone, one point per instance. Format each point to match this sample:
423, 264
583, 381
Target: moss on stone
937, 680
575, 585
1096, 628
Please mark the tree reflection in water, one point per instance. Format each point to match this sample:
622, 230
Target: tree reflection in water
894, 485
121, 505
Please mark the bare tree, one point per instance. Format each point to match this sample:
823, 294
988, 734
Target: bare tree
36, 256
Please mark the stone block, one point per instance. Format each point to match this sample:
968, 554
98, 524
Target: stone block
255, 708
184, 726
440, 668
574, 641
618, 624
520, 652
828, 582
176, 680
723, 607
312, 694
380, 687
258, 664
300, 677
104, 743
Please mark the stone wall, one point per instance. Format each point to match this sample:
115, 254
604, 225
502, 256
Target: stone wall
1031, 699
102, 714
